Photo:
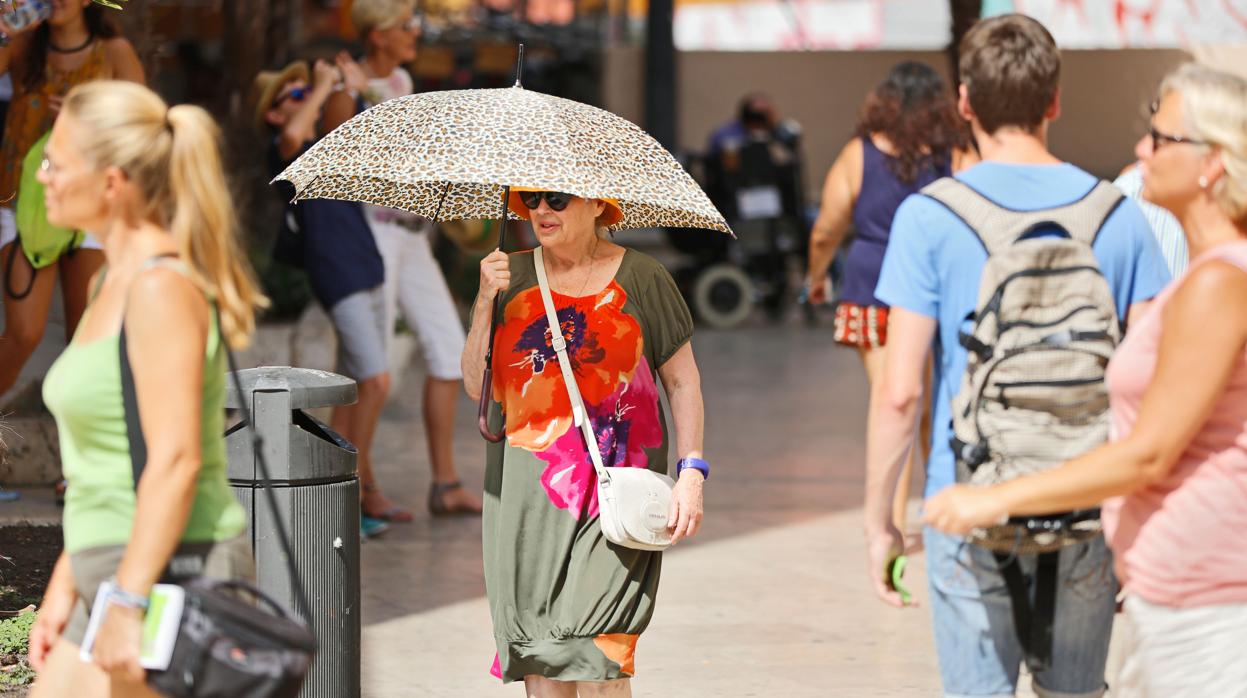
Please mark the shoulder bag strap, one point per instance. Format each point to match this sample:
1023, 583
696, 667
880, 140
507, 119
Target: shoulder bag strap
580, 416
138, 444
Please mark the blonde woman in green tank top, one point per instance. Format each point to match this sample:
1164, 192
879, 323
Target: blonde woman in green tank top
147, 178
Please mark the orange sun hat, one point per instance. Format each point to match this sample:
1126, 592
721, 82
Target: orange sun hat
612, 215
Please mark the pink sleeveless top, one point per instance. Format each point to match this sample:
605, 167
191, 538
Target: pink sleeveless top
1183, 542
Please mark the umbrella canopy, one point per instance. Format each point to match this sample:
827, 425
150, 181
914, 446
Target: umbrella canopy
449, 155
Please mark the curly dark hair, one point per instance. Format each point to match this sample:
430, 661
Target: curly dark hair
35, 61
914, 109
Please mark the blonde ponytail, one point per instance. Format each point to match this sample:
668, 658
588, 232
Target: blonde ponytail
203, 221
173, 157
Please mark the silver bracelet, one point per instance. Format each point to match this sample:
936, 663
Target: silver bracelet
125, 599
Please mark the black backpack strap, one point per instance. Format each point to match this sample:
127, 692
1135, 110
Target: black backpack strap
1032, 622
1044, 611
130, 400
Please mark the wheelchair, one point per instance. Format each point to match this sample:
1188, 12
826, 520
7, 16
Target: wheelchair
756, 184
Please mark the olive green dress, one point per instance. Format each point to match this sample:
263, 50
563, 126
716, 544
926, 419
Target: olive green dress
566, 604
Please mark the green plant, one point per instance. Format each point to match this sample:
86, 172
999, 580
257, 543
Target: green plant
15, 633
15, 670
20, 674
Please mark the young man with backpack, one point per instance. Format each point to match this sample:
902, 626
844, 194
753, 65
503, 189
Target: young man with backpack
1021, 341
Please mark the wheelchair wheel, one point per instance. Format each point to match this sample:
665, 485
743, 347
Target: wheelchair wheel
723, 296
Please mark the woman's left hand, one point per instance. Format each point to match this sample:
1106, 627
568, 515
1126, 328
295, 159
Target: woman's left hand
686, 506
962, 508
116, 647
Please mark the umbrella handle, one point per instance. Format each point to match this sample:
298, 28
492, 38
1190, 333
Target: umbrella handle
487, 382
482, 414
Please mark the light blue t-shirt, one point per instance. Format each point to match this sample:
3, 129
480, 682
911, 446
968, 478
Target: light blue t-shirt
934, 262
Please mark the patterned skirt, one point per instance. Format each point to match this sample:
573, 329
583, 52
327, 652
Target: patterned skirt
861, 326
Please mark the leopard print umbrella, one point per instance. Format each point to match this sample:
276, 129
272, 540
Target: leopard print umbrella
448, 155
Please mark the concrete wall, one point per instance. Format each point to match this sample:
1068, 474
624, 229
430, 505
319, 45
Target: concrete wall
1104, 94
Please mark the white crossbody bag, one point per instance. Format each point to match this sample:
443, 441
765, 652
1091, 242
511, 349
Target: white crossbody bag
633, 502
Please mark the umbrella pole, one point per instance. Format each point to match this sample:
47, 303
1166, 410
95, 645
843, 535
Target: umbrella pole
487, 382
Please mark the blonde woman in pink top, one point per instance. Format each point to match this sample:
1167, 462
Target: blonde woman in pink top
1173, 481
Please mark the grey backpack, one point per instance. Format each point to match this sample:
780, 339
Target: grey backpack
1044, 327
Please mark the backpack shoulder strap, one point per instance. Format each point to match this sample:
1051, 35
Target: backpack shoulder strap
993, 225
997, 226
1084, 218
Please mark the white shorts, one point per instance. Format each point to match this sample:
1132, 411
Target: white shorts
414, 284
8, 231
1184, 652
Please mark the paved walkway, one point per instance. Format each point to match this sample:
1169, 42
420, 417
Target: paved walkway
770, 601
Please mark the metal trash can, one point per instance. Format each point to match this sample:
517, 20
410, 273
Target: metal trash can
317, 491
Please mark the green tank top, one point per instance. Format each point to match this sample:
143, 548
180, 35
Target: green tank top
83, 392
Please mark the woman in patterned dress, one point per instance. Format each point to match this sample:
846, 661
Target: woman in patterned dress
567, 605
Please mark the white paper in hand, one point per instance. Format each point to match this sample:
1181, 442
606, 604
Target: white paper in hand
160, 624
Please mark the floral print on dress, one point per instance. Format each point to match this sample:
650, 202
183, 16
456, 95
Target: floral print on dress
604, 345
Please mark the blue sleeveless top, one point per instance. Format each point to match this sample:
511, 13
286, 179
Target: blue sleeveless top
882, 193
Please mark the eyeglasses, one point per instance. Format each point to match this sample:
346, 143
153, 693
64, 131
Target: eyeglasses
557, 200
1159, 138
297, 94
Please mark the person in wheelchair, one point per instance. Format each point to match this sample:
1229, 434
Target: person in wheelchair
752, 172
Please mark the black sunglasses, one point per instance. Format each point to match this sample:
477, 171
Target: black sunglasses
297, 94
557, 199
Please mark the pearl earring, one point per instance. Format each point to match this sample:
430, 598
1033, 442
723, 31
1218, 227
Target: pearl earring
1203, 182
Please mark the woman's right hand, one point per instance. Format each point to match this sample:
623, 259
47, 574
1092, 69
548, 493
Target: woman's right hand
495, 275
58, 604
819, 290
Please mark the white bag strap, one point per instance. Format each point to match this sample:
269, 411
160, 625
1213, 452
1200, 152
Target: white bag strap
580, 416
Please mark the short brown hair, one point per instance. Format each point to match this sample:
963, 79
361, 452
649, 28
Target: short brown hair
1011, 67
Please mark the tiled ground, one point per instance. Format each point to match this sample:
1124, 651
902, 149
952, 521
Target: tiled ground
770, 601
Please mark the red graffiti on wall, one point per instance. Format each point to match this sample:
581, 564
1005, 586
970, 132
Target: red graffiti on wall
1124, 12
1239, 14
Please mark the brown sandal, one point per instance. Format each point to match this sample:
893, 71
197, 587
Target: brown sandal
437, 503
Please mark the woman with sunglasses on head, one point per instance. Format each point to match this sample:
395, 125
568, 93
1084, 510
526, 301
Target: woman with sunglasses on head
414, 283
175, 292
76, 44
1173, 481
331, 241
567, 606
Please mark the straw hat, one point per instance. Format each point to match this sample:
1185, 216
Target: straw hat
268, 84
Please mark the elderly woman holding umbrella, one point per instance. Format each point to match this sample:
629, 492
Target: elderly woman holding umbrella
568, 607
577, 500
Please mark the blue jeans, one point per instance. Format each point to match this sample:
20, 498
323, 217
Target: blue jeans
978, 649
